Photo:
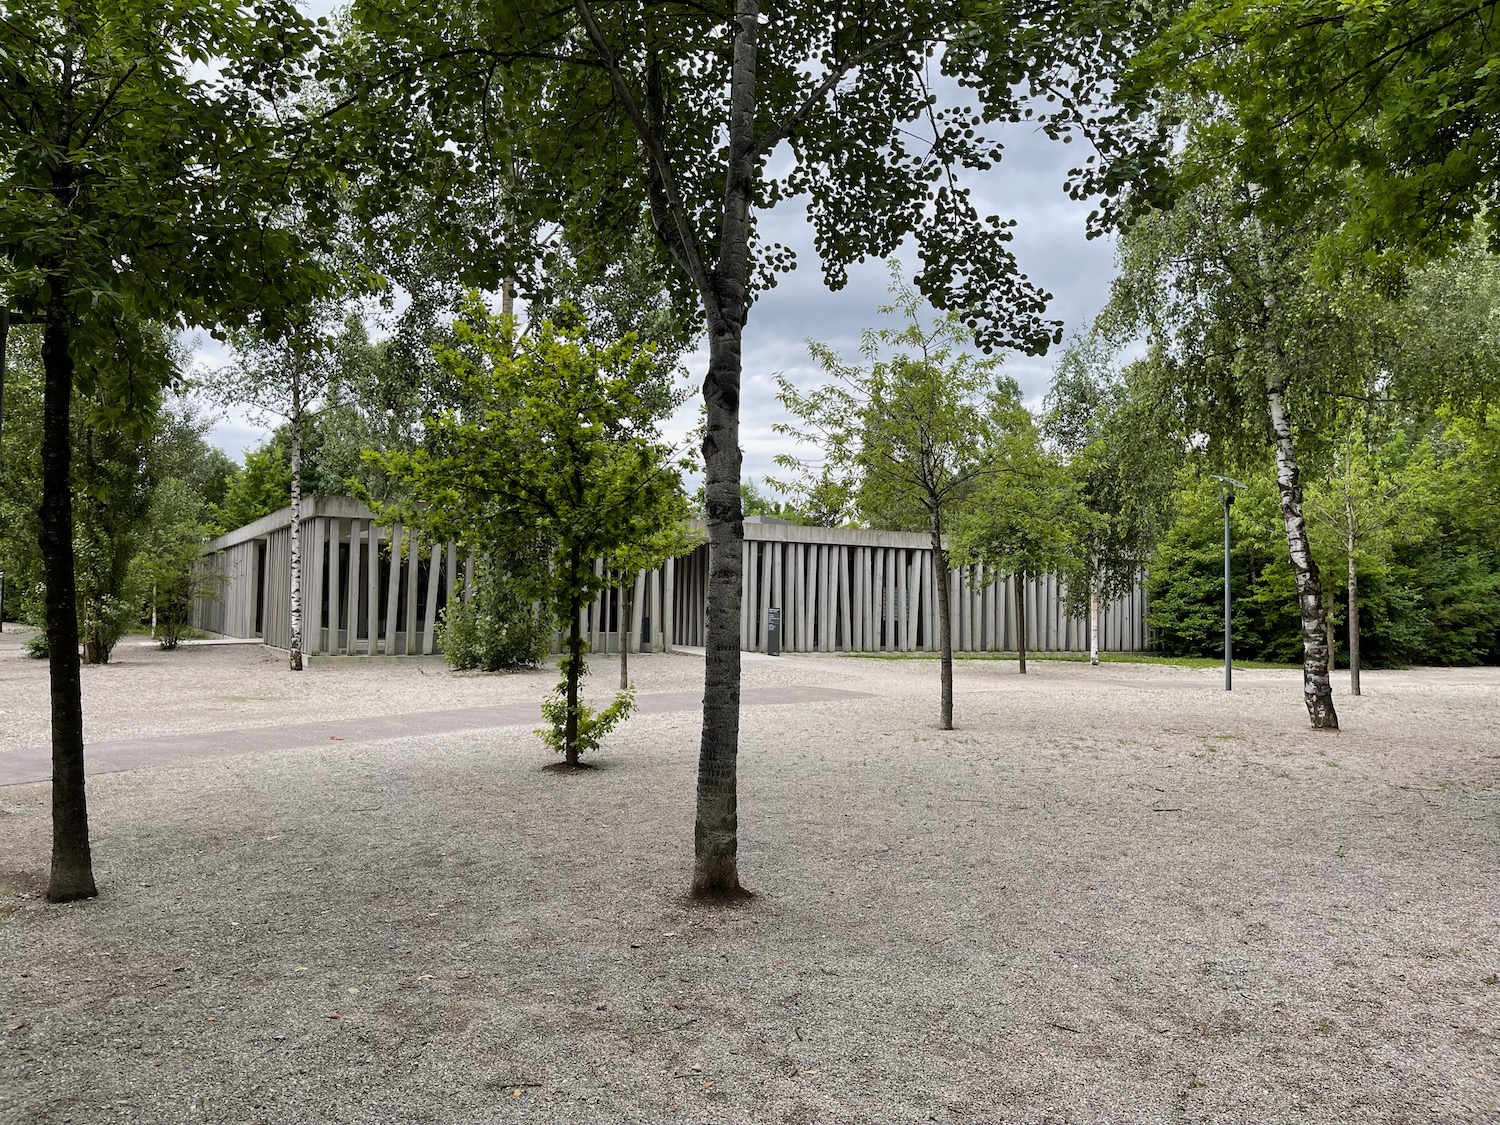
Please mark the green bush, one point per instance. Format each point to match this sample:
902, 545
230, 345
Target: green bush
36, 645
501, 625
592, 725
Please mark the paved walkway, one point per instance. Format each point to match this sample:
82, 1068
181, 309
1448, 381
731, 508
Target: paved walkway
32, 765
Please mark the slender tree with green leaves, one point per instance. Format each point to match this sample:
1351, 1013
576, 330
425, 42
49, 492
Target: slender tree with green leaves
1369, 490
1123, 454
560, 442
912, 434
132, 184
1250, 349
1027, 522
673, 539
707, 116
286, 374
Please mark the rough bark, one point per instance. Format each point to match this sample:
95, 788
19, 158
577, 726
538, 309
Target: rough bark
296, 534
715, 829
945, 625
72, 860
1316, 688
574, 659
1353, 609
1021, 620
627, 610
716, 822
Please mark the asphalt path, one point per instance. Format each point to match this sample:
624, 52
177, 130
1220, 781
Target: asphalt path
25, 767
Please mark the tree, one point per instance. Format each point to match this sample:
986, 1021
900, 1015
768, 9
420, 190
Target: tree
119, 416
585, 116
561, 444
1393, 105
1359, 504
286, 374
1123, 457
1251, 350
130, 186
671, 540
167, 561
1026, 523
912, 436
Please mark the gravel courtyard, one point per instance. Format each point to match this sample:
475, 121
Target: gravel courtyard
1114, 895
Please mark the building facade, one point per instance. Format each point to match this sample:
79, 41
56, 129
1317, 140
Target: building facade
372, 590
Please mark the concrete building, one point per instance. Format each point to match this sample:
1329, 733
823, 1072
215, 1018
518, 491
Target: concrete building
379, 591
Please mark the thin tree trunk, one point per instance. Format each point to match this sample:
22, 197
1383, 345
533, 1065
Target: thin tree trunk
1316, 688
4, 339
945, 625
296, 531
627, 610
72, 861
1353, 621
1094, 620
574, 659
1333, 648
1021, 620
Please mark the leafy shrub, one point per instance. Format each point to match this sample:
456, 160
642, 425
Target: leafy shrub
36, 645
501, 625
592, 725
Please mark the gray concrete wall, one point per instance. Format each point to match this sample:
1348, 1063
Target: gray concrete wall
373, 591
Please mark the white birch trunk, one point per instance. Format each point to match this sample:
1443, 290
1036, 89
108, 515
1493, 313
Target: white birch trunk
1094, 619
1316, 688
296, 533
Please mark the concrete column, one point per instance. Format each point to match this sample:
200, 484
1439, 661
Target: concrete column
336, 573
372, 588
922, 584
637, 611
669, 595
393, 591
434, 575
413, 556
313, 533
861, 601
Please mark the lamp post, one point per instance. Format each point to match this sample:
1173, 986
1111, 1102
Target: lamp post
1228, 485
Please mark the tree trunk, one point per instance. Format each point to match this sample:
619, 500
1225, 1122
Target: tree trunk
1021, 620
574, 661
945, 625
72, 861
4, 339
1094, 620
627, 611
715, 829
1353, 621
726, 299
1316, 689
296, 532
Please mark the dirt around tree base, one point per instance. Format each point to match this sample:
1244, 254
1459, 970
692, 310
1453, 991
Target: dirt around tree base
1113, 895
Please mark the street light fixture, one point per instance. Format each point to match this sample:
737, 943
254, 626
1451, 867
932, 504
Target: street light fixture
1227, 486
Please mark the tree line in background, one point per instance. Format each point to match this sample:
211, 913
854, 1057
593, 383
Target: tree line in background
1306, 296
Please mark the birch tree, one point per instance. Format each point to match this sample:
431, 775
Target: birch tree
285, 376
1123, 454
706, 116
1252, 352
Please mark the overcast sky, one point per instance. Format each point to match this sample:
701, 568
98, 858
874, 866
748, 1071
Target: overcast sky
1049, 243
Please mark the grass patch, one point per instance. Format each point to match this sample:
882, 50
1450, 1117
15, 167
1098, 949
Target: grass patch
1079, 658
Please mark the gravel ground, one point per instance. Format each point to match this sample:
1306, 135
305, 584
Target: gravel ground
1114, 895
